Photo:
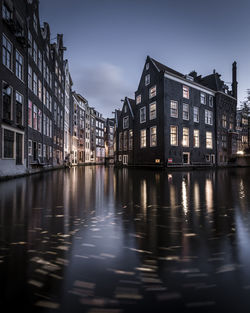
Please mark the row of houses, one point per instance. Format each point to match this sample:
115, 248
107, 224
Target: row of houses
43, 123
179, 120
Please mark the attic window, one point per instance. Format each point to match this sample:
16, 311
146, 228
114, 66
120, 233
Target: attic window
147, 79
147, 66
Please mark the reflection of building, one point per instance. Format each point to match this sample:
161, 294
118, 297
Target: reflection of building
242, 128
180, 120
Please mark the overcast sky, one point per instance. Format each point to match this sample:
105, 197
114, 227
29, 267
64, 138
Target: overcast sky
108, 40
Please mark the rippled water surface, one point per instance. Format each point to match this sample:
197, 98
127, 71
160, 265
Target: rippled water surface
104, 240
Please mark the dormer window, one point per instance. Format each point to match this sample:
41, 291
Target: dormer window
147, 79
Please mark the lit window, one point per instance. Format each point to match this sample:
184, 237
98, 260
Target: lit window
19, 65
208, 117
185, 112
40, 90
125, 122
7, 53
185, 137
173, 108
152, 92
153, 137
203, 98
224, 121
196, 114
152, 111
211, 101
196, 138
143, 138
185, 92
209, 140
173, 135
143, 115
138, 99
147, 79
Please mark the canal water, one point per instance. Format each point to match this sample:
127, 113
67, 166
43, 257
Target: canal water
105, 240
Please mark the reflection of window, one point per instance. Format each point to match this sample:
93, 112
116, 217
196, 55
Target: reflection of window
185, 137
185, 112
196, 114
152, 111
152, 92
120, 141
185, 92
209, 140
125, 122
224, 121
125, 140
153, 136
173, 108
143, 115
196, 138
224, 141
173, 135
143, 138
130, 140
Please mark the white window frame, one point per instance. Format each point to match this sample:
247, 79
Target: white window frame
141, 110
147, 79
152, 95
187, 106
151, 142
141, 137
173, 102
154, 115
176, 134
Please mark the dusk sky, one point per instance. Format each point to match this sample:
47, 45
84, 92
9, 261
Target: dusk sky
108, 40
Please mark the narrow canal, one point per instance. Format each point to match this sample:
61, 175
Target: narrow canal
105, 240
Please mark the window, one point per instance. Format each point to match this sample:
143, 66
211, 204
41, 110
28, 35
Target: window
244, 139
152, 92
209, 140
30, 42
203, 98
125, 122
35, 83
40, 90
211, 101
8, 151
35, 52
30, 114
39, 149
224, 141
208, 117
7, 101
143, 115
19, 65
120, 141
19, 109
152, 111
143, 138
138, 99
125, 140
231, 123
185, 137
47, 125
34, 117
196, 114
50, 128
6, 12
185, 92
7, 53
130, 140
39, 60
39, 121
173, 108
44, 150
173, 136
185, 112
196, 138
153, 137
30, 147
30, 77
147, 79
224, 120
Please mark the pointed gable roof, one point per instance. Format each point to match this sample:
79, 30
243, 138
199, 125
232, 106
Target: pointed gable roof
164, 68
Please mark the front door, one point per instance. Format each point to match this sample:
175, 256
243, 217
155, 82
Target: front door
19, 149
186, 158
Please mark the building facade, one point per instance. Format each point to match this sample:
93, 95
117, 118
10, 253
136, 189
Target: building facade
109, 139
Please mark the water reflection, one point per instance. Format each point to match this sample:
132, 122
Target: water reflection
123, 240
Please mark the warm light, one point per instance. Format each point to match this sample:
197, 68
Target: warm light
240, 152
157, 160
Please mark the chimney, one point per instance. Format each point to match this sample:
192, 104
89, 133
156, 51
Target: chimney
234, 80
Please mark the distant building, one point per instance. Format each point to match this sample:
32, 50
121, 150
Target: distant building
109, 137
242, 128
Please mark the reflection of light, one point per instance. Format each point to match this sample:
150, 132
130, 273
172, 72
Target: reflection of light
184, 196
209, 194
172, 196
170, 177
144, 196
196, 196
242, 190
240, 152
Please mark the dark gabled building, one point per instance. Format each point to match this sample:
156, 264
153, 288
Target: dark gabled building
178, 118
125, 133
13, 91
